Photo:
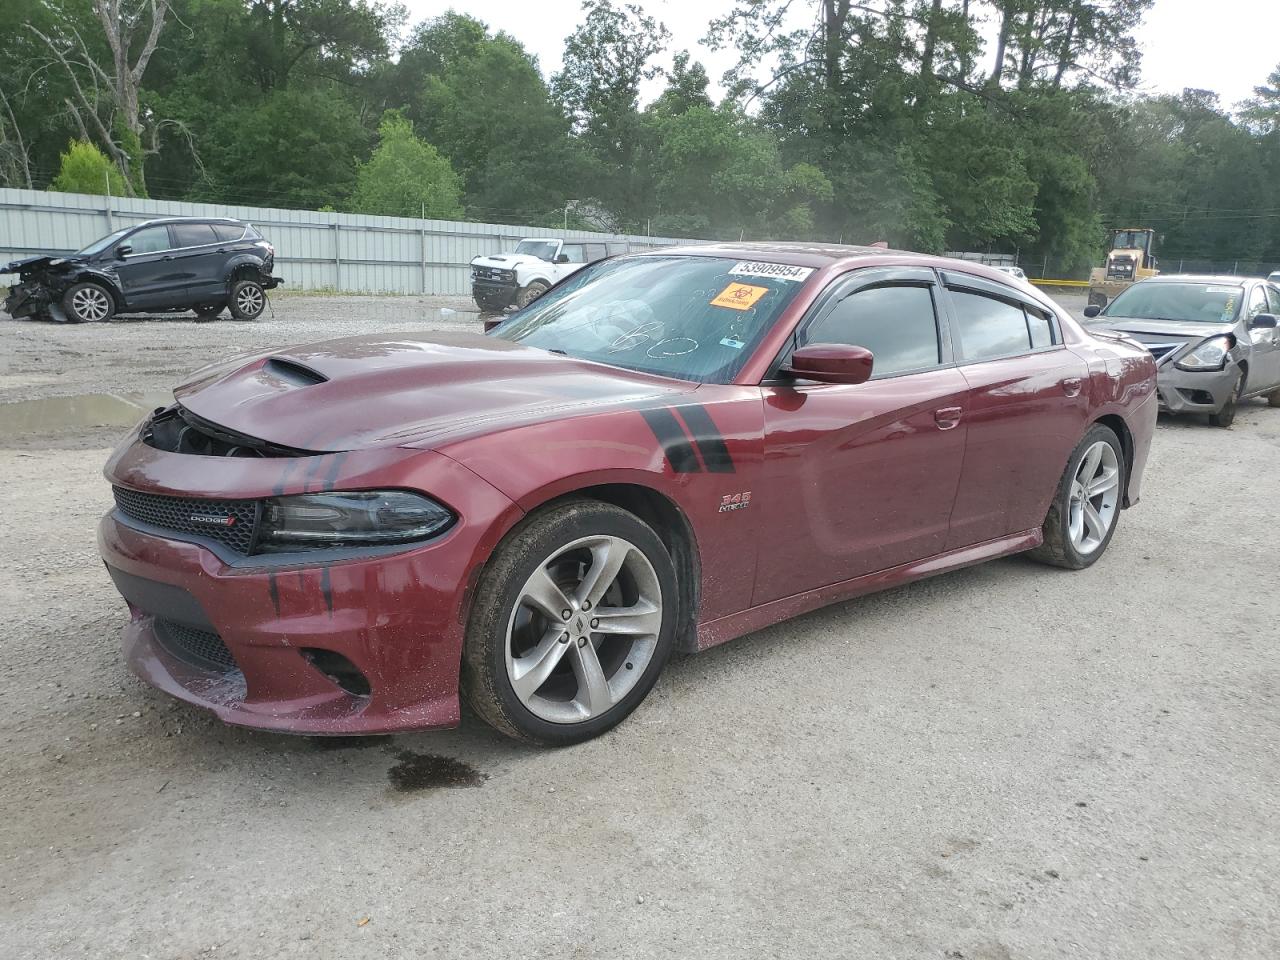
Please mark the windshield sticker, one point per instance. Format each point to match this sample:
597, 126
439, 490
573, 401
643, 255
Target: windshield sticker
775, 271
739, 296
1229, 309
731, 342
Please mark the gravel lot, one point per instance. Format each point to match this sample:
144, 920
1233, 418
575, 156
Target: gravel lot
1005, 762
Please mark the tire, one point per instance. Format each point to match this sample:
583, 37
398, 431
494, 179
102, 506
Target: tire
490, 305
1070, 539
525, 675
206, 312
1227, 415
88, 303
531, 292
247, 300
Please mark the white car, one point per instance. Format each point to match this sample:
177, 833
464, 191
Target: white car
1274, 277
534, 267
1015, 272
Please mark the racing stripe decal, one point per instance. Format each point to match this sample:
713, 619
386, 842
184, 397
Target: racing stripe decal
711, 445
675, 445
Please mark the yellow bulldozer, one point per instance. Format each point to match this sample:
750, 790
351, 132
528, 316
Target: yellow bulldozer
1130, 258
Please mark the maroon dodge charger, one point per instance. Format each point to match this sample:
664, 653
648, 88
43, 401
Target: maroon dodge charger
665, 451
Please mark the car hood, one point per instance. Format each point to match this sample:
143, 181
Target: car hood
507, 261
406, 390
35, 263
1164, 329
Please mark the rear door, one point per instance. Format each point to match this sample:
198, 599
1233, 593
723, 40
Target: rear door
859, 478
200, 258
1026, 408
148, 274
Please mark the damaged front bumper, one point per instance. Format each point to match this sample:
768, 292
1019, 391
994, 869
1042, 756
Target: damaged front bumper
33, 299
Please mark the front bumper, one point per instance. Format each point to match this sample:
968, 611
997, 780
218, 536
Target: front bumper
1183, 391
498, 292
397, 618
26, 300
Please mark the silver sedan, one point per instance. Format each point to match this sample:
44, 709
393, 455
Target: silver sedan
1215, 339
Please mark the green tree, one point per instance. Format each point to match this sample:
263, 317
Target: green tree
406, 175
86, 169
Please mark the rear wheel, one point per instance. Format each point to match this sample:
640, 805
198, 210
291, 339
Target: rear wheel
1086, 507
530, 292
248, 299
573, 621
87, 303
1227, 415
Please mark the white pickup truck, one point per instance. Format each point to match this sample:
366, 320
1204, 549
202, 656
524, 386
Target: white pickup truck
536, 265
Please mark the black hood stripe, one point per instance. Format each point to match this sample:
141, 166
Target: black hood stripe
675, 445
710, 441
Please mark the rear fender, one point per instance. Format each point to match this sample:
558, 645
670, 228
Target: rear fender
243, 263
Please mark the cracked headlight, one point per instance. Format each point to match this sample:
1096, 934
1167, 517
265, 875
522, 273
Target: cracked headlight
1210, 355
354, 519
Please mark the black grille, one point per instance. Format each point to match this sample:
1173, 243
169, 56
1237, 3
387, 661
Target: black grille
229, 522
198, 647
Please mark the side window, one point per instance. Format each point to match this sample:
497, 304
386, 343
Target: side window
897, 324
1040, 326
595, 251
1257, 303
574, 252
228, 231
989, 328
193, 234
1273, 294
616, 249
150, 240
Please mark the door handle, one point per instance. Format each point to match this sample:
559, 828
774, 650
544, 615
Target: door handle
1071, 386
947, 417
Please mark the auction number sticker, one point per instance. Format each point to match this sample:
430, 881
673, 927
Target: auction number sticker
739, 296
776, 271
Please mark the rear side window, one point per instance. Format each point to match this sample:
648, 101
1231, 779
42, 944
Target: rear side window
616, 249
193, 234
898, 324
989, 328
229, 231
595, 251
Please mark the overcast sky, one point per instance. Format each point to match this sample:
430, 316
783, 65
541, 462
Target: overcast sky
1229, 46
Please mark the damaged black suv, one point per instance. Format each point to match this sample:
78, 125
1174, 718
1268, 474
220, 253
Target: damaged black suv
174, 264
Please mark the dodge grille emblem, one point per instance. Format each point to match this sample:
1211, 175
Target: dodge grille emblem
212, 520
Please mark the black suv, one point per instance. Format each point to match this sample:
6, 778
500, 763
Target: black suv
178, 263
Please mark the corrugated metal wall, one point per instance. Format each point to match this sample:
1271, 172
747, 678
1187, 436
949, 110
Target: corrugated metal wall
314, 251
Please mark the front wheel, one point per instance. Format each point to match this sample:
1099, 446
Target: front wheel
87, 303
248, 299
1227, 414
573, 621
530, 292
1086, 506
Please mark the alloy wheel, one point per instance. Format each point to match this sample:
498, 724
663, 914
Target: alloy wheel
1095, 497
583, 629
90, 304
249, 300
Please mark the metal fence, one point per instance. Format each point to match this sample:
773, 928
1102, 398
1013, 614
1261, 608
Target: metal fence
314, 250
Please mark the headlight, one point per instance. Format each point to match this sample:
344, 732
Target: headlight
1210, 355
365, 518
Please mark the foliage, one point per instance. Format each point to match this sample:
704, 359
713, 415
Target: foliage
86, 169
406, 177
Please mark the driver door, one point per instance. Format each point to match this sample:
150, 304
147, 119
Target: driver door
860, 478
1264, 365
149, 274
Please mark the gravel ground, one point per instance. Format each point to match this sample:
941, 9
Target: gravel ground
1005, 762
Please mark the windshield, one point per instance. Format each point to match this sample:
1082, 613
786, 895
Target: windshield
1190, 302
1129, 240
693, 318
106, 242
542, 249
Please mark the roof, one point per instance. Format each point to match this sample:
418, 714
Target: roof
160, 220
1222, 279
795, 253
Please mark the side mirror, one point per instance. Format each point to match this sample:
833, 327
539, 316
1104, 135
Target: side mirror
831, 363
1264, 321
123, 250
1092, 310
562, 258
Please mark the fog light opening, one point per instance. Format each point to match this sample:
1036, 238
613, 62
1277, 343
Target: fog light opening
341, 671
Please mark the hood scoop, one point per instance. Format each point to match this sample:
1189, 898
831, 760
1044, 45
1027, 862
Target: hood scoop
292, 372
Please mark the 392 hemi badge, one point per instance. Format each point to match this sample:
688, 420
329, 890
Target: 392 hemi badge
212, 520
735, 501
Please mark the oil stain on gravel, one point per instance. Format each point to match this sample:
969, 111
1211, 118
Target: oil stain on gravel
426, 771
